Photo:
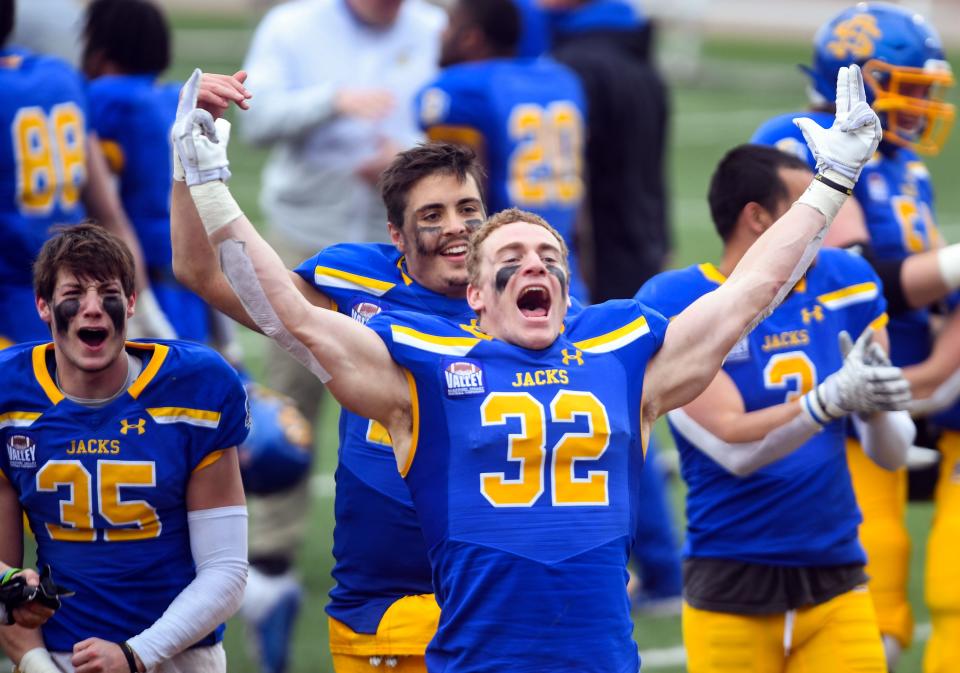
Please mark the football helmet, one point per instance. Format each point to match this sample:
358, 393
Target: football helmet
278, 451
904, 69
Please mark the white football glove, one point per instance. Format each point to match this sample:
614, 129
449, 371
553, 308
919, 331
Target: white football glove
199, 143
842, 150
866, 383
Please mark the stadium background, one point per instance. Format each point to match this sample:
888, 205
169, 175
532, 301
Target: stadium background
731, 65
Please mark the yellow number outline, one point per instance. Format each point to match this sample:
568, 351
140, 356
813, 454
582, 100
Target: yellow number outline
76, 518
526, 447
915, 220
549, 141
794, 367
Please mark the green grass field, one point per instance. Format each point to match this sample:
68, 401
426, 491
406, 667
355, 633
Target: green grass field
739, 84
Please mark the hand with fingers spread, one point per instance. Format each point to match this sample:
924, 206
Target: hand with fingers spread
216, 92
842, 150
866, 383
200, 143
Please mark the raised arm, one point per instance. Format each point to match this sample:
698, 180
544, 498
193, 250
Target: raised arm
364, 378
701, 336
936, 380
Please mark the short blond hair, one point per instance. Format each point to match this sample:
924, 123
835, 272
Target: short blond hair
501, 219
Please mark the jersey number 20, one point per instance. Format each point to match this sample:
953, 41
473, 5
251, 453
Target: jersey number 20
528, 448
546, 168
50, 157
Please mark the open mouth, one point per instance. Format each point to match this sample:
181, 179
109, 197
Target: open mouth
92, 336
534, 301
456, 250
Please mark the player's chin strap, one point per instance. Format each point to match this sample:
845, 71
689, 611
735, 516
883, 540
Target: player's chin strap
238, 268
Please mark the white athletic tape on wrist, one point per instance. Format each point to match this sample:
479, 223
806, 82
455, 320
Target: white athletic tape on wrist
948, 259
215, 205
37, 660
241, 275
824, 199
178, 173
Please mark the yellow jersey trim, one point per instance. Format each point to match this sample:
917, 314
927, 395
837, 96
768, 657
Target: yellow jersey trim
160, 353
3, 476
42, 374
18, 419
458, 135
407, 280
404, 630
618, 338
879, 322
330, 277
712, 273
414, 421
433, 344
209, 460
113, 153
854, 294
475, 331
5, 343
200, 417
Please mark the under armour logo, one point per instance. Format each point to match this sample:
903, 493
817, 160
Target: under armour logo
567, 357
140, 426
816, 313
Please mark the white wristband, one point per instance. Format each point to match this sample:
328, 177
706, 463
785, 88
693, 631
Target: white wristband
37, 660
825, 199
948, 259
215, 205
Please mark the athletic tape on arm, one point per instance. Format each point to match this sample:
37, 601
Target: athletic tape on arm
242, 277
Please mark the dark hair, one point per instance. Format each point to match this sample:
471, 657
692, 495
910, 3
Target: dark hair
499, 20
416, 163
132, 34
7, 11
86, 250
748, 173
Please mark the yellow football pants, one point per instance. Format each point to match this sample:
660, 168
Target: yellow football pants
402, 636
839, 636
943, 564
882, 496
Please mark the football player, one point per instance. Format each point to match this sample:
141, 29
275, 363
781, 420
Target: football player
131, 113
906, 75
122, 456
773, 570
524, 117
517, 436
382, 608
51, 172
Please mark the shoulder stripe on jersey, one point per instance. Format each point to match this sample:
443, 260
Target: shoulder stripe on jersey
853, 294
199, 417
329, 277
712, 273
113, 153
618, 338
209, 460
42, 374
434, 344
18, 419
879, 322
415, 421
146, 376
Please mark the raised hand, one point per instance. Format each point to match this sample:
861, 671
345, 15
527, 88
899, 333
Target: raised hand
842, 150
866, 383
200, 142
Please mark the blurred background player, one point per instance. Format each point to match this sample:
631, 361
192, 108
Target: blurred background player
906, 75
51, 27
51, 172
131, 113
524, 117
129, 475
773, 569
608, 44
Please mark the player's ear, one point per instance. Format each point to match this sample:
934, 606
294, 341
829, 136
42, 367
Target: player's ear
474, 298
756, 218
44, 310
131, 301
396, 237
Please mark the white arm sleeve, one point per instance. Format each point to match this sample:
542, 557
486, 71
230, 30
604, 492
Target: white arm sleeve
745, 458
218, 542
941, 398
886, 437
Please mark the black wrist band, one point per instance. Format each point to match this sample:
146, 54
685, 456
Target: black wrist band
833, 185
131, 659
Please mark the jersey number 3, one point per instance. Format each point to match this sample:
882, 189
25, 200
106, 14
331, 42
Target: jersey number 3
133, 519
528, 449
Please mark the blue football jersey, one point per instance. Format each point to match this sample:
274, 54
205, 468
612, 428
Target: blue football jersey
132, 115
374, 513
523, 472
527, 118
799, 510
104, 489
896, 194
43, 171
